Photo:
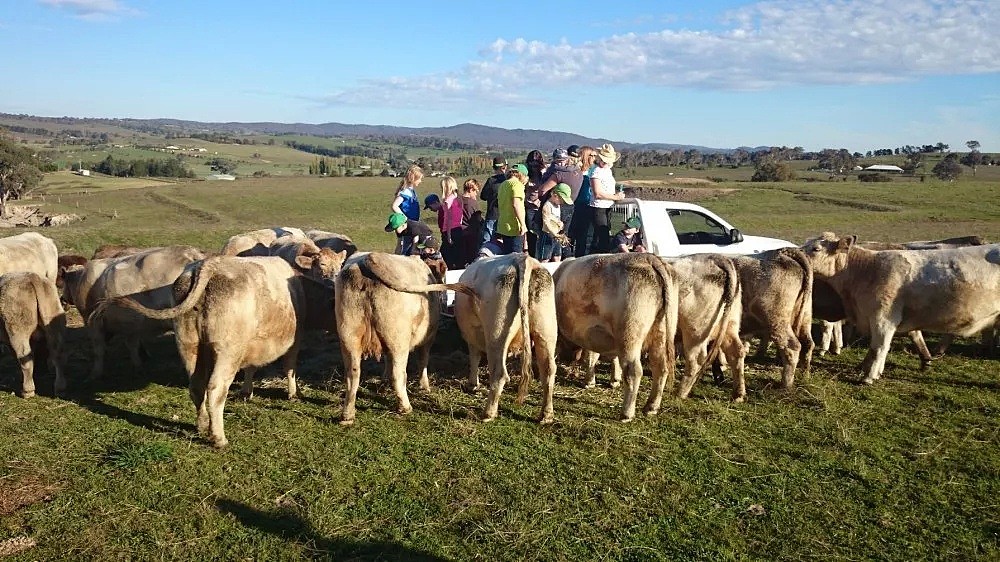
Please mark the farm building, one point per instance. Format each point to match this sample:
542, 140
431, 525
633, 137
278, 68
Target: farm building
884, 168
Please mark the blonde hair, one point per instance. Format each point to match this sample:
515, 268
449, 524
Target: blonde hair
413, 176
588, 155
449, 187
514, 173
470, 184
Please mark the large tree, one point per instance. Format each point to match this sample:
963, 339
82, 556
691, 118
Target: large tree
948, 168
974, 157
19, 172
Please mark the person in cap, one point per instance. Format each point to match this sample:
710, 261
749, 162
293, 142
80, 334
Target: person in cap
406, 201
562, 171
512, 225
602, 182
629, 239
489, 194
551, 237
408, 233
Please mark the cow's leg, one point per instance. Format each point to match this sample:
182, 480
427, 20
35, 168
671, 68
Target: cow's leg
545, 364
222, 376
917, 337
947, 339
882, 332
789, 349
616, 372
658, 365
838, 337
735, 355
423, 358
694, 357
288, 363
198, 388
352, 379
633, 375
133, 345
590, 359
26, 359
99, 344
396, 359
246, 390
475, 356
496, 358
806, 350
760, 355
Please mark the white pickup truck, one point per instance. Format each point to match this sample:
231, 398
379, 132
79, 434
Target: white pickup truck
673, 229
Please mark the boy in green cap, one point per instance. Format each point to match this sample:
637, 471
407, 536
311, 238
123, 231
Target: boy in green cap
629, 239
550, 241
409, 233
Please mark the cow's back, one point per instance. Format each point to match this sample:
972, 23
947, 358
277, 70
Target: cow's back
29, 251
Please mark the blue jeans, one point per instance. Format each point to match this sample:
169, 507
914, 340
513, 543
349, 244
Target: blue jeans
547, 248
512, 244
489, 231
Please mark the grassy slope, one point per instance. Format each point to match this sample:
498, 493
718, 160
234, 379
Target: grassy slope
907, 469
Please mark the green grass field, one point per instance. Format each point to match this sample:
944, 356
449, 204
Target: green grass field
908, 469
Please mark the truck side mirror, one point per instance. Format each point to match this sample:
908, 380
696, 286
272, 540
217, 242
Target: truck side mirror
735, 236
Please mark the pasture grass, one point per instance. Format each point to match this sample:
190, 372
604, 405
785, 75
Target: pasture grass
903, 470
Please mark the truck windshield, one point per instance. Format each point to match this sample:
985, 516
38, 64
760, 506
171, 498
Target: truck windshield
693, 227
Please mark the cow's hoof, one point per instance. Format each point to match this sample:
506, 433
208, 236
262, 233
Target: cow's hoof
488, 418
649, 412
868, 380
924, 365
246, 397
546, 419
469, 389
219, 444
590, 384
347, 422
616, 384
739, 399
28, 394
626, 419
404, 411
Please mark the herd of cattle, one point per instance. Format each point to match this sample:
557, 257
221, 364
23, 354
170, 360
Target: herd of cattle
250, 304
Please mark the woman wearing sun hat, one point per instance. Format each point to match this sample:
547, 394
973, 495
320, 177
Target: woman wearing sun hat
602, 182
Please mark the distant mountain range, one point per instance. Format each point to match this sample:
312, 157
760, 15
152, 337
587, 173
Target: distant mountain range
466, 132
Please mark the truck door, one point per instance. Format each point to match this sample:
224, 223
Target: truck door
698, 233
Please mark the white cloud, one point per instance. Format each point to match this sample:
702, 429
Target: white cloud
92, 10
762, 46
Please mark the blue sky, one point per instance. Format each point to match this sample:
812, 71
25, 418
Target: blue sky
817, 74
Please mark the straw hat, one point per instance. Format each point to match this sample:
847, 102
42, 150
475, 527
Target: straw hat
607, 153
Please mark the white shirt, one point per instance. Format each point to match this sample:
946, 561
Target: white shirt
607, 179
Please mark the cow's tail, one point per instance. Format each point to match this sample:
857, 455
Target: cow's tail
726, 308
50, 312
668, 308
376, 265
524, 278
803, 304
201, 276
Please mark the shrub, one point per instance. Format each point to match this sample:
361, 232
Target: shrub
876, 177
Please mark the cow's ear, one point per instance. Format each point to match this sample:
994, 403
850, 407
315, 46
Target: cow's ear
846, 243
342, 254
305, 262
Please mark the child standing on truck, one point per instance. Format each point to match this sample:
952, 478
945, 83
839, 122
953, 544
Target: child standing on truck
602, 181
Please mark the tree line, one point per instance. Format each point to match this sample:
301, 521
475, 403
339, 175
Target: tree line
148, 167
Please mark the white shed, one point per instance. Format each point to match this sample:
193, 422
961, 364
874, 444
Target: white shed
883, 168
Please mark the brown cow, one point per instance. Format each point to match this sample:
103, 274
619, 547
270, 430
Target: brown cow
384, 303
238, 313
516, 308
146, 276
777, 305
32, 318
115, 251
622, 305
307, 258
949, 291
708, 310
65, 262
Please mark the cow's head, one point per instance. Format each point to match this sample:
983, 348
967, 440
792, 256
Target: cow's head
828, 253
437, 266
71, 276
322, 265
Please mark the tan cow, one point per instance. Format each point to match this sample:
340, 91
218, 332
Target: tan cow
777, 305
238, 313
708, 310
385, 303
622, 305
948, 291
32, 252
332, 240
515, 308
258, 242
32, 320
146, 276
308, 258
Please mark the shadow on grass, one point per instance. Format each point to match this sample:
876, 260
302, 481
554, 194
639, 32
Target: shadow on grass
158, 425
292, 527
